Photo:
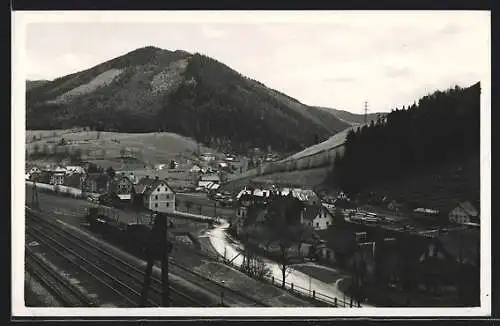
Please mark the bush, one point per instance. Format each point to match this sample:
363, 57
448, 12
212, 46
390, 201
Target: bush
256, 268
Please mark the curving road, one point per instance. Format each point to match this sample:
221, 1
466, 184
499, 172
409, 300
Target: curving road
231, 248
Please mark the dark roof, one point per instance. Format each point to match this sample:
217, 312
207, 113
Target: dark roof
251, 199
469, 209
405, 248
311, 211
147, 181
150, 184
119, 177
139, 188
73, 179
98, 177
210, 177
462, 244
340, 239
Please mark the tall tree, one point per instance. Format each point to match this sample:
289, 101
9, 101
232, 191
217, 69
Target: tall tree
285, 230
110, 172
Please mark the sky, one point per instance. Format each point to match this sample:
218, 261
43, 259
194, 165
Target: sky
331, 59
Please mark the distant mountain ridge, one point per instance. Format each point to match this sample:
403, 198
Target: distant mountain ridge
151, 89
353, 119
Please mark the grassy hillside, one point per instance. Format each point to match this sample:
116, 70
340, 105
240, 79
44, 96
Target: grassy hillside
308, 179
107, 147
151, 89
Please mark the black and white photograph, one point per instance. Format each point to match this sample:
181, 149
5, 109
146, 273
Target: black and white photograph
314, 163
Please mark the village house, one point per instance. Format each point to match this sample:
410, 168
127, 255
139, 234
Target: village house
57, 178
122, 186
223, 165
141, 186
316, 216
96, 183
74, 169
429, 261
209, 179
464, 213
59, 169
330, 207
34, 170
241, 212
307, 196
207, 157
42, 177
74, 180
195, 169
159, 167
133, 178
230, 158
159, 196
338, 244
426, 211
393, 205
212, 186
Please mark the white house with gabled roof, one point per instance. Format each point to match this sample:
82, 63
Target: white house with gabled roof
464, 213
159, 196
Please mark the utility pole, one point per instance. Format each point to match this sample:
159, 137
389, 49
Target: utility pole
34, 196
159, 248
366, 111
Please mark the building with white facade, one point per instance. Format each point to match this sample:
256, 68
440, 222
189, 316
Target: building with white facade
159, 197
464, 213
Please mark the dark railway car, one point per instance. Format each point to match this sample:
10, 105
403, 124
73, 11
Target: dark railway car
133, 236
137, 237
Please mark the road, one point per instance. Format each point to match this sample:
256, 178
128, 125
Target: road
231, 248
69, 212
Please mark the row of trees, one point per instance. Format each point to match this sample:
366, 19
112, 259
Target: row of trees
46, 151
443, 126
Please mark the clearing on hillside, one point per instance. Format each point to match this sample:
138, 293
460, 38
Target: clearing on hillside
147, 148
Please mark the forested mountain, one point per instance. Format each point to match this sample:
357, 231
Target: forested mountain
442, 127
151, 89
35, 83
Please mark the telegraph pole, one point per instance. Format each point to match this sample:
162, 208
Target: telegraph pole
167, 246
159, 248
34, 196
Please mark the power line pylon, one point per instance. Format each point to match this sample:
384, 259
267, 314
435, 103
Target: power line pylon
366, 112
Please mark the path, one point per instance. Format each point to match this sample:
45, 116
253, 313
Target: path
231, 248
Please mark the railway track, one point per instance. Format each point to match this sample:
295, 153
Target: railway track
63, 291
120, 277
121, 291
231, 297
